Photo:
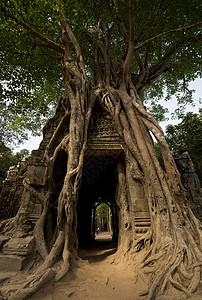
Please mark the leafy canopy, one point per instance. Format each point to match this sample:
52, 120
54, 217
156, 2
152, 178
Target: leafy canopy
30, 76
187, 135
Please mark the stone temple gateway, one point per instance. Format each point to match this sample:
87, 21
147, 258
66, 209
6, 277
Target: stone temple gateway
104, 158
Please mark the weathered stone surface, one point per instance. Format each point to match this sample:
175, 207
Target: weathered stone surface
3, 240
103, 135
37, 174
138, 201
10, 197
12, 263
6, 275
10, 200
19, 246
16, 253
191, 183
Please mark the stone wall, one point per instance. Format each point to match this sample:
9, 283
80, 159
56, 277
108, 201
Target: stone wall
35, 168
191, 183
11, 193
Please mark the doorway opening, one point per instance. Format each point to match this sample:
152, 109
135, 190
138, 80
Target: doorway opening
96, 206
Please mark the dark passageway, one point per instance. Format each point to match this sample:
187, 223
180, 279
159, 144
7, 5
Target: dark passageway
98, 186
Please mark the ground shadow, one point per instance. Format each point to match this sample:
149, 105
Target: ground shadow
98, 249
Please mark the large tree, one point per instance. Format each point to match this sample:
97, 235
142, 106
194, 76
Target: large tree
118, 53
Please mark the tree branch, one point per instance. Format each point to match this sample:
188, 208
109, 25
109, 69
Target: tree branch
130, 54
74, 42
65, 42
163, 65
166, 33
124, 33
119, 22
52, 44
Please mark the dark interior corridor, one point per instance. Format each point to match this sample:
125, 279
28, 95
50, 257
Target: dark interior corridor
99, 183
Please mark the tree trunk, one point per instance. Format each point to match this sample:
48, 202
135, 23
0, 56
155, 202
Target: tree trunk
175, 238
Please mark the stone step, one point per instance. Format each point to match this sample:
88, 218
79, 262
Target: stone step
12, 263
7, 275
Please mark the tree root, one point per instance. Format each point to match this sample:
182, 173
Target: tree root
32, 285
66, 258
54, 253
63, 271
195, 280
39, 235
43, 274
6, 225
164, 271
179, 286
141, 241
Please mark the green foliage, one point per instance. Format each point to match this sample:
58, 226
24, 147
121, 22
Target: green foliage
102, 216
31, 82
158, 111
187, 136
158, 151
7, 159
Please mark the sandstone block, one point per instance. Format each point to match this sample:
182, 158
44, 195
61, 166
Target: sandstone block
12, 263
36, 174
19, 246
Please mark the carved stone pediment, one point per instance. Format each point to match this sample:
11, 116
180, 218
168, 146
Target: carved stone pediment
101, 127
102, 133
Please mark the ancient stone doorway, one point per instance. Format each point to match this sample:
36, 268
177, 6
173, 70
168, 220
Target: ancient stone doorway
98, 186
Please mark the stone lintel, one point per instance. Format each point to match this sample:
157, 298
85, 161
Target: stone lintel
104, 143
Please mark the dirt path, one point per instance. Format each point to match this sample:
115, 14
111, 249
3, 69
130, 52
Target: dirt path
96, 278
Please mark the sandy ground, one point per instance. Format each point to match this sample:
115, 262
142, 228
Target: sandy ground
97, 277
